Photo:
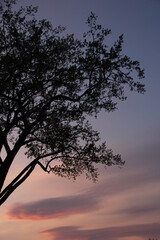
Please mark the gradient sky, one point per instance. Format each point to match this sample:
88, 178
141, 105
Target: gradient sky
125, 203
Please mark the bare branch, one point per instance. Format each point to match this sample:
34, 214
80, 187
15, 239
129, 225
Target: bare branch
16, 183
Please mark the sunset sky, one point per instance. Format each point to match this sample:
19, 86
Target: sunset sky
124, 203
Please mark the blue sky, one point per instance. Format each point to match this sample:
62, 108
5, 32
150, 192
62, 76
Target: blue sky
125, 203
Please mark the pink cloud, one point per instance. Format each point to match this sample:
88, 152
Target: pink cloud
90, 201
53, 208
123, 182
112, 233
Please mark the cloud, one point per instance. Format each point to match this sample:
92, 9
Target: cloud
90, 201
66, 206
53, 208
112, 233
140, 179
140, 210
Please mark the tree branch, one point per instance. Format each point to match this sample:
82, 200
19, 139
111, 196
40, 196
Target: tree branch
4, 142
16, 182
43, 167
6, 145
21, 177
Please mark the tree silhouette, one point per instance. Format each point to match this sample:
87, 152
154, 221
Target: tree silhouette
49, 84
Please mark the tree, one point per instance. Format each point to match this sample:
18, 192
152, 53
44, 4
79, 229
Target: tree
49, 84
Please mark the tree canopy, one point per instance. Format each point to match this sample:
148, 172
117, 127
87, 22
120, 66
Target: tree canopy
50, 82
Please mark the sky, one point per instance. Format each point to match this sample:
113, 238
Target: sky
125, 202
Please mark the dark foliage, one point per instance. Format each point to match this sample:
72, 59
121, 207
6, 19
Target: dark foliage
49, 84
